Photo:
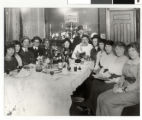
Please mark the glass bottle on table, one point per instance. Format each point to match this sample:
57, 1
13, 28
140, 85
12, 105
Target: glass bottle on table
60, 63
68, 64
51, 67
38, 66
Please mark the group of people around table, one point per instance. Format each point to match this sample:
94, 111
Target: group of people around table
115, 80
119, 63
27, 51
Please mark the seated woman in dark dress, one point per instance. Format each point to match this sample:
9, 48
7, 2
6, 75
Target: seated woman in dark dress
17, 46
67, 49
10, 62
113, 73
46, 48
26, 55
95, 49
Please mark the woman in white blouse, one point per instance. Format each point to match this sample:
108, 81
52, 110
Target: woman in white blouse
105, 58
83, 47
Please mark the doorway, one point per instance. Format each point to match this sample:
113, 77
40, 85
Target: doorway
121, 25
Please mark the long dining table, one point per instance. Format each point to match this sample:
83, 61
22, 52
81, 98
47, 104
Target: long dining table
38, 93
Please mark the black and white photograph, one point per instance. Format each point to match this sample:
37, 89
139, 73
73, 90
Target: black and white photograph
70, 61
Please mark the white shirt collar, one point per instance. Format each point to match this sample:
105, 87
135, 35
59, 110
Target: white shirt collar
35, 48
25, 49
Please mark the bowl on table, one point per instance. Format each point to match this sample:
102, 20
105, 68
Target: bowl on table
77, 61
52, 71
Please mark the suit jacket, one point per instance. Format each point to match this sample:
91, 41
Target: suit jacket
36, 52
77, 40
27, 57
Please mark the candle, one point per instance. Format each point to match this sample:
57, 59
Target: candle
62, 26
50, 29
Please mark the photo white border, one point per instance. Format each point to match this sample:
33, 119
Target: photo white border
79, 2
89, 2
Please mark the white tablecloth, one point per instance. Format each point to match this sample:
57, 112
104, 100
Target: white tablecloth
43, 94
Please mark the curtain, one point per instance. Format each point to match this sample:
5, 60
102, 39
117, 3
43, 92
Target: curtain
12, 24
33, 22
21, 22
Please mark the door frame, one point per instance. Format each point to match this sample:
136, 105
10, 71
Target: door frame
108, 10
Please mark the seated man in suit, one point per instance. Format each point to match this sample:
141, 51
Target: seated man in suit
78, 37
36, 48
26, 54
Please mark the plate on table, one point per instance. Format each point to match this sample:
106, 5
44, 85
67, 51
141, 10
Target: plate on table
54, 71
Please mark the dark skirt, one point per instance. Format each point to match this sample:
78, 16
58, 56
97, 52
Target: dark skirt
84, 89
98, 87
